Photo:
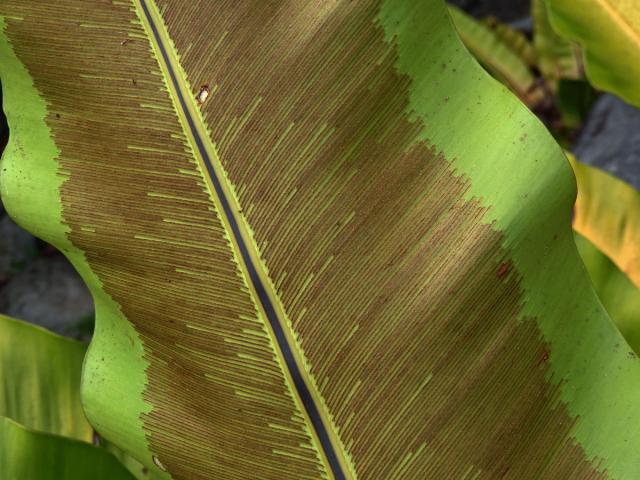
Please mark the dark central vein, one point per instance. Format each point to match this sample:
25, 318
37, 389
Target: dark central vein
277, 324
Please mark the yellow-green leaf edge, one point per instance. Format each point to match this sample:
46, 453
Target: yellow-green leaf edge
40, 395
34, 162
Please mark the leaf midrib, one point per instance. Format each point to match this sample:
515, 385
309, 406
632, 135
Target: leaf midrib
303, 386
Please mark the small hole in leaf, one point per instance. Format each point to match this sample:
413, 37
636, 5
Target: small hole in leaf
203, 94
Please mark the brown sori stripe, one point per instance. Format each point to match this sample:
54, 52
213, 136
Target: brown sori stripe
136, 203
405, 304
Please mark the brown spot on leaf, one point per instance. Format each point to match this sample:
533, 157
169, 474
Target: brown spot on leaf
503, 269
544, 358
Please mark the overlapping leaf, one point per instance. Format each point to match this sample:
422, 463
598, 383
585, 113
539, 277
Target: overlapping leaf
609, 31
40, 375
33, 455
556, 57
606, 217
618, 294
496, 50
44, 434
607, 212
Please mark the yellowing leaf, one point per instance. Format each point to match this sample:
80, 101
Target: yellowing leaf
607, 213
609, 32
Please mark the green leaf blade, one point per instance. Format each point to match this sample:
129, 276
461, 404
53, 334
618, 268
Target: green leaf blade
620, 297
40, 374
27, 454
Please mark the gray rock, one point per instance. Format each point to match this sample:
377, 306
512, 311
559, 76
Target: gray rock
610, 139
48, 293
17, 248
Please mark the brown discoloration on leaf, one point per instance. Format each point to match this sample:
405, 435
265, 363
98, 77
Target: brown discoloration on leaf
135, 203
408, 312
387, 273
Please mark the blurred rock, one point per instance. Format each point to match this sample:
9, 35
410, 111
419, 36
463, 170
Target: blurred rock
49, 293
610, 139
505, 10
17, 248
